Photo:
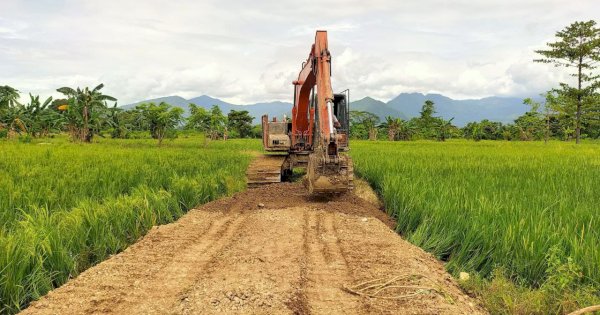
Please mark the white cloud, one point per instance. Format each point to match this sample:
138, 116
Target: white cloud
247, 52
10, 29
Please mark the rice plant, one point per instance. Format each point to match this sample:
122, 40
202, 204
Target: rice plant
487, 205
65, 207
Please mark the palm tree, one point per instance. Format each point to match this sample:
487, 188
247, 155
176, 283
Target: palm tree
84, 108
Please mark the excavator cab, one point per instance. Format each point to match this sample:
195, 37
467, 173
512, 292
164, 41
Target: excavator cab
341, 111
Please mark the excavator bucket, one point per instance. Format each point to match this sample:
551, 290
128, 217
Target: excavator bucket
329, 177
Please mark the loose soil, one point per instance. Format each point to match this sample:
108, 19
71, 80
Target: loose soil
269, 250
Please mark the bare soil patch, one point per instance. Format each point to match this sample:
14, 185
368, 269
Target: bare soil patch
269, 250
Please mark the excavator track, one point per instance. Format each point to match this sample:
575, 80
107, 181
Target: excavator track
265, 169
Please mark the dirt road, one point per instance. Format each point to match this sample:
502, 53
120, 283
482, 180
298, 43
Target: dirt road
270, 250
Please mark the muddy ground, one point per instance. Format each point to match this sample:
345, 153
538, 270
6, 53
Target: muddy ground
269, 250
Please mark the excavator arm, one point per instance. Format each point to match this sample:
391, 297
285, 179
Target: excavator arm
314, 123
316, 72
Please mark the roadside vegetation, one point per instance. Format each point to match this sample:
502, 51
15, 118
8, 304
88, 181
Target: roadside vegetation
521, 217
86, 114
65, 206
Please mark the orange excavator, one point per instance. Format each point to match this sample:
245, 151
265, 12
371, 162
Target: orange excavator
316, 136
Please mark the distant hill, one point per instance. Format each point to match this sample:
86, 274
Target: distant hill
405, 106
376, 107
503, 109
173, 100
256, 110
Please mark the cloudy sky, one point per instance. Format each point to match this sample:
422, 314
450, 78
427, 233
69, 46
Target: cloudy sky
250, 51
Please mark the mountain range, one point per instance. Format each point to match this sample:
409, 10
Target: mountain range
405, 106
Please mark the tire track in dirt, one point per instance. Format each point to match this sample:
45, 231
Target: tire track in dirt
185, 264
298, 302
255, 274
161, 245
176, 278
327, 270
290, 255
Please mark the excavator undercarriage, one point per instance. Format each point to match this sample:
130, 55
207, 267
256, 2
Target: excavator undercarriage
321, 177
315, 138
266, 169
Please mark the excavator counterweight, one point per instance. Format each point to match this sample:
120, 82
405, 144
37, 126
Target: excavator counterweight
316, 135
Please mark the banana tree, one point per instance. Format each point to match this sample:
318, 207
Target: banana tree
84, 110
9, 97
444, 129
364, 120
41, 119
392, 125
15, 120
114, 121
33, 118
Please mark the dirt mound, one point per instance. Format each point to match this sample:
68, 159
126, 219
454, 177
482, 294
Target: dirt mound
270, 250
287, 195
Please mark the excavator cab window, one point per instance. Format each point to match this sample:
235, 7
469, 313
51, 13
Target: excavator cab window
341, 110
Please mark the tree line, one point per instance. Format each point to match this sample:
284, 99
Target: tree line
539, 123
568, 111
85, 113
366, 125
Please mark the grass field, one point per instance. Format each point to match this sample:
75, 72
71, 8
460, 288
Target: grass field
65, 207
526, 208
524, 212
